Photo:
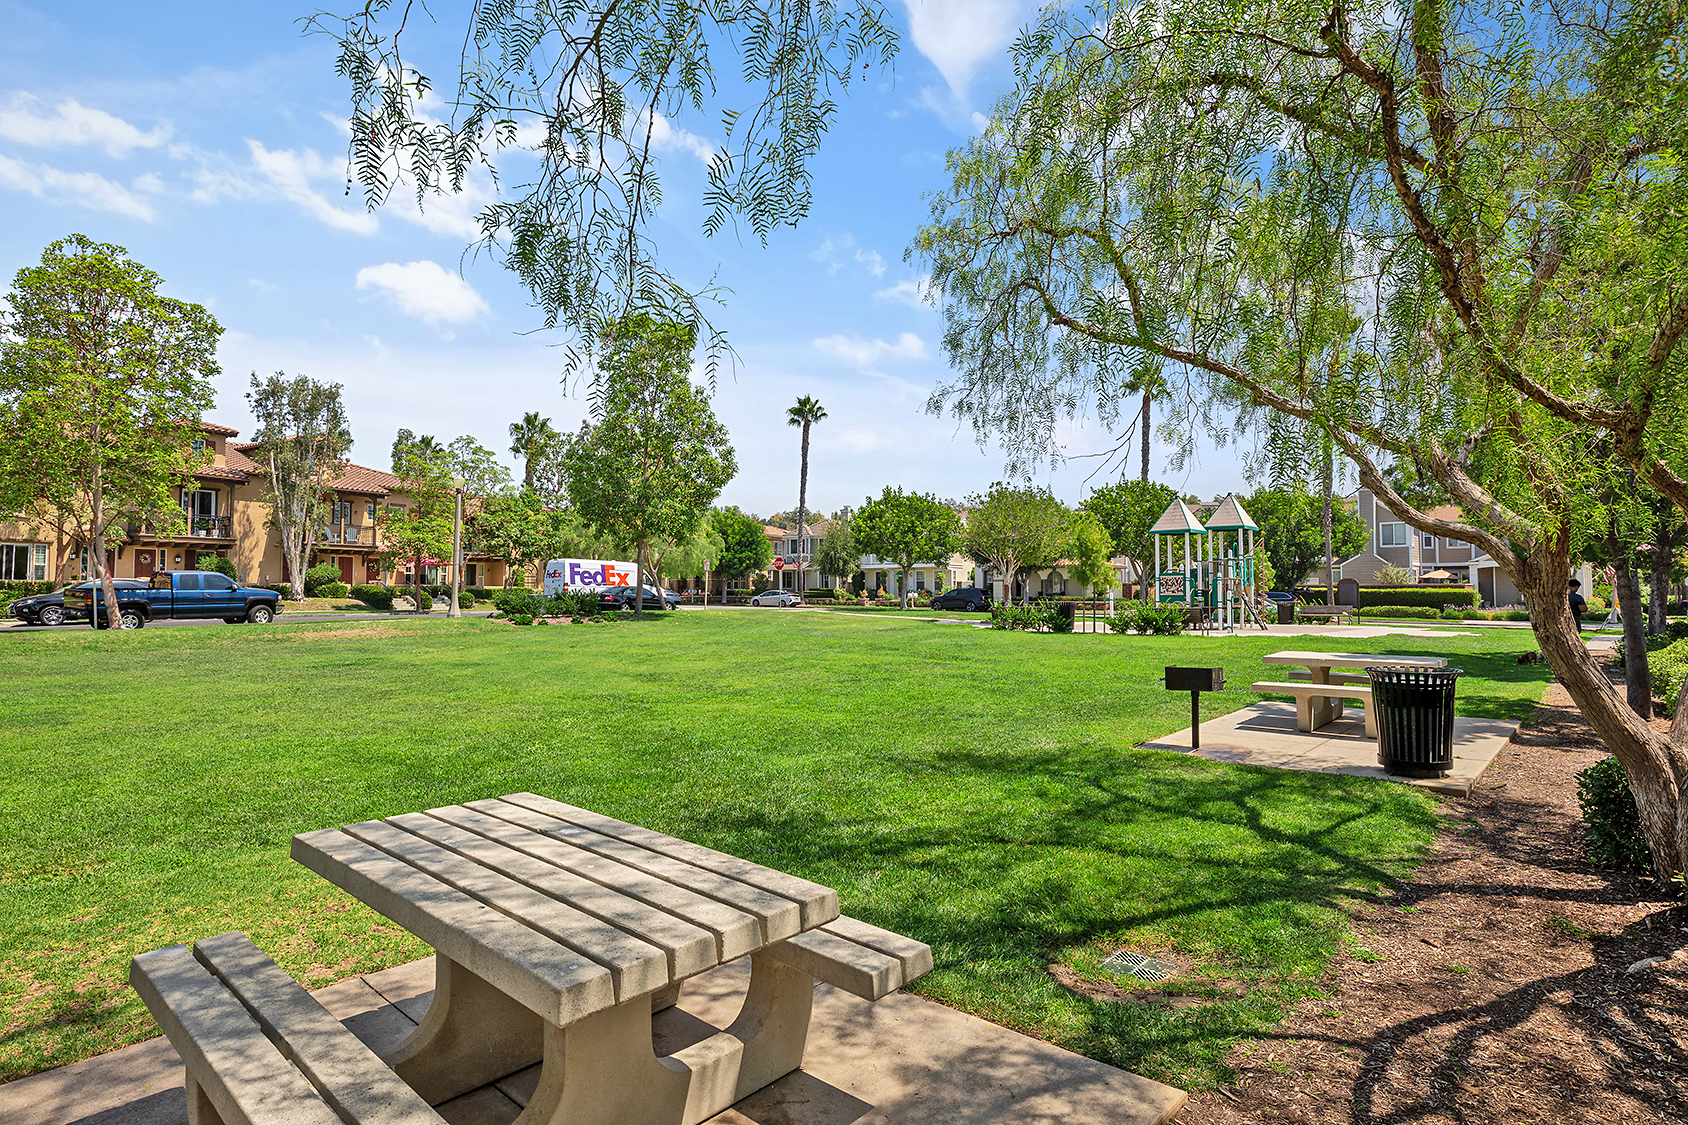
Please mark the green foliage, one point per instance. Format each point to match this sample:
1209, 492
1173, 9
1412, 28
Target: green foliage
837, 556
1669, 666
1091, 550
376, 597
690, 557
1394, 575
905, 528
1162, 620
597, 78
102, 385
654, 457
303, 438
566, 603
1128, 509
1013, 528
1292, 531
1434, 596
1057, 617
744, 549
532, 439
1611, 824
220, 565
319, 576
1026, 617
1404, 612
335, 589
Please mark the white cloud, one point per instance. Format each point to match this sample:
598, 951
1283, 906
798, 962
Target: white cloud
916, 293
958, 35
425, 290
85, 189
69, 124
290, 174
860, 352
836, 253
668, 137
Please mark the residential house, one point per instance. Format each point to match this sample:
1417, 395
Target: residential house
1431, 558
924, 577
224, 513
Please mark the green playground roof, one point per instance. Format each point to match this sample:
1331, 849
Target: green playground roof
1178, 520
1229, 516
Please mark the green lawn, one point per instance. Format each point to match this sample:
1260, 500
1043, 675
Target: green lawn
975, 789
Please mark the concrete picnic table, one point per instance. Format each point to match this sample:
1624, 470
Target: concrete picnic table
558, 931
1324, 709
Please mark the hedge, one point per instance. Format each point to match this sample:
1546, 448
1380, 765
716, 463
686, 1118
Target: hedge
1433, 597
12, 589
376, 597
333, 590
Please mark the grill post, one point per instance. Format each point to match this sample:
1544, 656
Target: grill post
1195, 681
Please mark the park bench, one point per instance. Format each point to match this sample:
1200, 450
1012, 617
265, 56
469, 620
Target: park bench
557, 933
1329, 612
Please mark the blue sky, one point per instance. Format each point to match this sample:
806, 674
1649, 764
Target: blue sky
209, 146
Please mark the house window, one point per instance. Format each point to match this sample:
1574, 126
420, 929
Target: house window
14, 561
1429, 542
1391, 535
371, 512
40, 562
198, 445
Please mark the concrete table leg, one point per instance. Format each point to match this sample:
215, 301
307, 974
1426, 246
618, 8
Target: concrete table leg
603, 1070
473, 1034
1322, 709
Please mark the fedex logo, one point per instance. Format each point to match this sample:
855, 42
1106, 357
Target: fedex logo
592, 572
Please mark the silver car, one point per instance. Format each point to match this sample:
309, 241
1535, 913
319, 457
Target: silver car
776, 597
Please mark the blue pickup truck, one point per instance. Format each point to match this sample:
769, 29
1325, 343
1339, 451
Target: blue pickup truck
178, 594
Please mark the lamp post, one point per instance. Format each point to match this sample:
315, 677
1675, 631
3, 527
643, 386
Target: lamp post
454, 609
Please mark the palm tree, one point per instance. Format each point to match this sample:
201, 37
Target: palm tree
529, 439
806, 413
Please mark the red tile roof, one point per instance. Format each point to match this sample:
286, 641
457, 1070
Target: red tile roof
213, 428
365, 481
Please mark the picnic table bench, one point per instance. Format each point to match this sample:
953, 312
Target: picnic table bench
1331, 612
1320, 689
557, 931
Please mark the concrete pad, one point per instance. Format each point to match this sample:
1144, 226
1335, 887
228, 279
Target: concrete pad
1265, 735
900, 1060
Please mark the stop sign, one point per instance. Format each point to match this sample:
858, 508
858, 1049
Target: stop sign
779, 563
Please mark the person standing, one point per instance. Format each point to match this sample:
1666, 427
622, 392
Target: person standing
1579, 604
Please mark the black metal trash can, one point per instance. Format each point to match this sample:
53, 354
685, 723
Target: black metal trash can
1286, 613
1068, 612
1415, 718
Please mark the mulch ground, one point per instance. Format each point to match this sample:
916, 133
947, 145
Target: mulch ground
1496, 987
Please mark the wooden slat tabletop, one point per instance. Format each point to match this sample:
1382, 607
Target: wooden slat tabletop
565, 910
1350, 660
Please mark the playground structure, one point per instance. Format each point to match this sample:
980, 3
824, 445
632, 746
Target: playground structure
1209, 566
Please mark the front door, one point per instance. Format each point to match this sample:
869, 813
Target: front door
372, 571
144, 564
345, 562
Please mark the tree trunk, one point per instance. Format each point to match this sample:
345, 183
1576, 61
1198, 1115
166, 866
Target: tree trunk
1638, 678
102, 568
802, 506
1330, 550
639, 578
1143, 423
1656, 768
1664, 549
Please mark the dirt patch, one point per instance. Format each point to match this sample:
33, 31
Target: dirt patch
1495, 986
1114, 994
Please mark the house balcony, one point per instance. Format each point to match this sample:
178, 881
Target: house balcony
193, 527
347, 534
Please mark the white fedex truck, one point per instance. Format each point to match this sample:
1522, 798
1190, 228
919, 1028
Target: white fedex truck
581, 574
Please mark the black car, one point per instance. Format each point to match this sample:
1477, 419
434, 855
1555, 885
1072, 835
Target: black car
969, 598
621, 597
48, 609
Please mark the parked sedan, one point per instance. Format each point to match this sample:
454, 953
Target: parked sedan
621, 597
48, 609
776, 597
969, 598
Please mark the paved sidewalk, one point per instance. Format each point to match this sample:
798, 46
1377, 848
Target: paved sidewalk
901, 1061
1265, 735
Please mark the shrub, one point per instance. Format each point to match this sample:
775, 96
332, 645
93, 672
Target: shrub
333, 590
520, 619
1053, 619
465, 600
1435, 597
1611, 825
376, 597
427, 602
223, 566
1162, 620
318, 576
1669, 666
1403, 612
281, 588
1015, 617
